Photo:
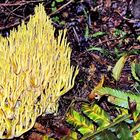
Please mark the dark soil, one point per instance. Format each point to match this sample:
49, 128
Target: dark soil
83, 18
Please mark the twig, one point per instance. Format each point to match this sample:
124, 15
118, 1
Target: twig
73, 100
9, 26
127, 19
60, 8
20, 3
76, 99
12, 25
105, 41
98, 44
76, 35
135, 128
12, 12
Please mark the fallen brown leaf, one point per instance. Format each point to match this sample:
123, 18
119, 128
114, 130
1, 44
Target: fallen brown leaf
35, 136
40, 128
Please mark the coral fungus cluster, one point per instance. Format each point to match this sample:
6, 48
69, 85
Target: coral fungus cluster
35, 71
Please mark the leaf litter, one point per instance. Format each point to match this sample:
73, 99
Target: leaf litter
100, 33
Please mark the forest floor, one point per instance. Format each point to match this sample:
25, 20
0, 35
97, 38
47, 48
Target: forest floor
100, 32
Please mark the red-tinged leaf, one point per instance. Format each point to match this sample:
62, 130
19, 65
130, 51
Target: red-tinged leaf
93, 95
81, 123
97, 114
62, 131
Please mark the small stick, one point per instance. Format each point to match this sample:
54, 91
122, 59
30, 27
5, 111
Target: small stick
12, 25
73, 100
19, 3
60, 8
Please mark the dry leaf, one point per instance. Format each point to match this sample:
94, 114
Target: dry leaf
108, 3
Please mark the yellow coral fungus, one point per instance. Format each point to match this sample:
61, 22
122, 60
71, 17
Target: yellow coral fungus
35, 71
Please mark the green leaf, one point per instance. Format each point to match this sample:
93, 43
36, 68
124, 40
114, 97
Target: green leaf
86, 32
91, 135
97, 114
123, 112
119, 33
56, 18
53, 4
119, 98
59, 0
138, 38
93, 48
137, 136
135, 70
136, 115
45, 137
123, 132
105, 135
118, 67
81, 123
98, 34
72, 136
